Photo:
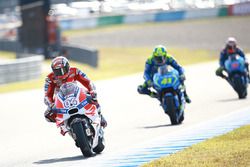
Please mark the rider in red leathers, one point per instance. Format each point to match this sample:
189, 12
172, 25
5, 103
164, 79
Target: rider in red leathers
63, 73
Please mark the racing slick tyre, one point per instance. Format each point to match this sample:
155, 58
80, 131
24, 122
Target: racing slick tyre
171, 110
82, 139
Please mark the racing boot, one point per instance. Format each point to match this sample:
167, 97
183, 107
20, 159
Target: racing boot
77, 145
248, 77
153, 95
143, 89
103, 121
219, 72
188, 100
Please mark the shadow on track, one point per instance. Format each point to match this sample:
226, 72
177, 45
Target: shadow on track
229, 100
56, 160
156, 126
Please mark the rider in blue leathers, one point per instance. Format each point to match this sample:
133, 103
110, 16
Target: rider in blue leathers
158, 58
230, 48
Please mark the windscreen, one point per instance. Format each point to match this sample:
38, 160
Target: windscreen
68, 88
163, 69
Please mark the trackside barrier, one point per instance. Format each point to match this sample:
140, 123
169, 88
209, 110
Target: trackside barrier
240, 9
201, 13
139, 18
83, 55
110, 20
80, 54
92, 22
21, 69
10, 45
78, 23
169, 16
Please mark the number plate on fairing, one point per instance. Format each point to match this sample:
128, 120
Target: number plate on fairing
69, 102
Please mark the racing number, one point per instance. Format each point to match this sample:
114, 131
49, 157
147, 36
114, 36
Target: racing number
70, 102
166, 81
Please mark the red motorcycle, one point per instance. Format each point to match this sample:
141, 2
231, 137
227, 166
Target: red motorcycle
78, 115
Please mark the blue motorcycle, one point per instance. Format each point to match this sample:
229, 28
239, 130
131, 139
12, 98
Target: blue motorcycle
237, 74
170, 93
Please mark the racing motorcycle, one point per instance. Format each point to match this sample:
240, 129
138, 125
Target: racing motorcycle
170, 93
237, 74
78, 115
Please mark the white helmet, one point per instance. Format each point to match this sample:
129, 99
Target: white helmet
231, 41
231, 44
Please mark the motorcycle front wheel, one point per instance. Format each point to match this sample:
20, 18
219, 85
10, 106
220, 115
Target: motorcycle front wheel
240, 87
171, 110
82, 139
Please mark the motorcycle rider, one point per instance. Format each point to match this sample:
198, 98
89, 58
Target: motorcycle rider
62, 73
160, 57
230, 48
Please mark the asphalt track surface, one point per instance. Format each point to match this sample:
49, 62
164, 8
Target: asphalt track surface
209, 34
28, 140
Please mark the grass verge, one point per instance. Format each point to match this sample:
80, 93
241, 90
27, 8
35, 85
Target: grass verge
115, 62
229, 150
7, 55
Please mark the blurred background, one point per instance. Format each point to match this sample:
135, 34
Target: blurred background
99, 34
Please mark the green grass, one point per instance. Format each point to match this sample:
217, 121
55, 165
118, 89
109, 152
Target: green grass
115, 62
7, 55
123, 61
229, 150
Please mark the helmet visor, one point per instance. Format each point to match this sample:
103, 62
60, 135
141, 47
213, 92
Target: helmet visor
60, 71
230, 49
68, 88
159, 59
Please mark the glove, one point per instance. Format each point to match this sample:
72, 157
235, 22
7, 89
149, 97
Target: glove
50, 116
182, 77
93, 95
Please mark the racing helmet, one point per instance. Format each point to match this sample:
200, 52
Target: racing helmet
231, 45
159, 54
60, 67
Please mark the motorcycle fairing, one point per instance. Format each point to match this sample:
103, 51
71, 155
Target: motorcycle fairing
235, 64
79, 101
170, 79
